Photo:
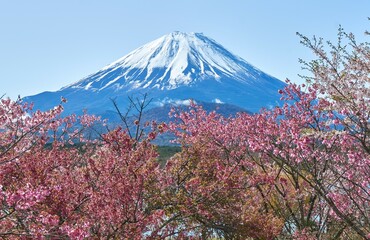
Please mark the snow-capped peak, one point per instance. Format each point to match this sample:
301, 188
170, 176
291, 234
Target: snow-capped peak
171, 69
171, 61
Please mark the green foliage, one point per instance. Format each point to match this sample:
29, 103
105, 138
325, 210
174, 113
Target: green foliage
166, 152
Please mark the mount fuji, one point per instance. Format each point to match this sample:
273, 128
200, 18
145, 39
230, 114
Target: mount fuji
171, 69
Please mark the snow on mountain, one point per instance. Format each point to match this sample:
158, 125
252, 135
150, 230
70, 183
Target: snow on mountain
174, 67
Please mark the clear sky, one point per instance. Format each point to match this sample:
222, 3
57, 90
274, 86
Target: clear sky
45, 45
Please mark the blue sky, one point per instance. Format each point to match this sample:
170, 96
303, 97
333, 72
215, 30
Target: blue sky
45, 45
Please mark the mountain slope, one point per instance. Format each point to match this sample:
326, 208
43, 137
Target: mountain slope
170, 69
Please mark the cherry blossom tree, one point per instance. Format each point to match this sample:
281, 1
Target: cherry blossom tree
312, 154
56, 184
216, 188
